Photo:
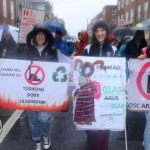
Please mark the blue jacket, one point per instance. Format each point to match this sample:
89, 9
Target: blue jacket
62, 46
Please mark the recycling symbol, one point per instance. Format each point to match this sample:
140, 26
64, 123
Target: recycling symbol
56, 77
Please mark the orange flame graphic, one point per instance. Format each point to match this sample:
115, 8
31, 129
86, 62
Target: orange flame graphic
8, 103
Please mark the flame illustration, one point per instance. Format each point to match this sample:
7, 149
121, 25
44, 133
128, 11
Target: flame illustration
8, 103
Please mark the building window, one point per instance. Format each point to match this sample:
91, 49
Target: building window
127, 17
145, 9
127, 2
113, 20
139, 12
4, 9
122, 6
119, 4
40, 6
104, 13
132, 15
12, 9
113, 11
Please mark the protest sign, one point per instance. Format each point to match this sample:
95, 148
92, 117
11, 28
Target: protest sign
33, 86
66, 59
99, 97
139, 85
29, 19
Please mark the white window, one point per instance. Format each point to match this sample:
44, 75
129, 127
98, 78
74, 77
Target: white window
119, 3
127, 2
132, 15
113, 20
122, 6
104, 13
113, 11
40, 6
139, 12
4, 9
146, 9
12, 9
127, 17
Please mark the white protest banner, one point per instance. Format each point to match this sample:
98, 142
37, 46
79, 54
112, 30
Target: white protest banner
33, 86
29, 19
99, 97
139, 85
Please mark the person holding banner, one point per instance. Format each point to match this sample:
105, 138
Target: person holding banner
99, 47
146, 144
39, 47
8, 46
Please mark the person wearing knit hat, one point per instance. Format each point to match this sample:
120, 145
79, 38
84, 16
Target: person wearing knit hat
99, 47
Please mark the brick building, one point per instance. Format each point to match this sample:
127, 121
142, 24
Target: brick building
133, 11
109, 14
8, 12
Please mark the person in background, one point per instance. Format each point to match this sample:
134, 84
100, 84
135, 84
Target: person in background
70, 46
60, 44
113, 42
120, 43
122, 48
146, 144
100, 47
83, 41
133, 50
39, 48
8, 46
134, 46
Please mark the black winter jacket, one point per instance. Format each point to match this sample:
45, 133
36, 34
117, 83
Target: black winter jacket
132, 51
98, 50
48, 54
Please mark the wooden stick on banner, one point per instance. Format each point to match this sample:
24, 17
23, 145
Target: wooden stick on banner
126, 141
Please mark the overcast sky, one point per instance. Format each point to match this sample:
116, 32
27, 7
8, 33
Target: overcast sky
77, 13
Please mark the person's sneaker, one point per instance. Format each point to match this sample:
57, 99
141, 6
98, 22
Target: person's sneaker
47, 142
38, 146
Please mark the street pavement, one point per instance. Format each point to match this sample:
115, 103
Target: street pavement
64, 135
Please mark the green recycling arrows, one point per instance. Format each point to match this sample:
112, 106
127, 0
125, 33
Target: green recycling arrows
62, 70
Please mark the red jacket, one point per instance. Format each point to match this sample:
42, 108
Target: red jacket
82, 44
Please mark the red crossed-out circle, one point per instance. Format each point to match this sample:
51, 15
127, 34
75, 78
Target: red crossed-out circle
139, 79
38, 70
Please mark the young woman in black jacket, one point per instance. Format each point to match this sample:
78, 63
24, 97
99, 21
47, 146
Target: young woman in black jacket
39, 47
100, 47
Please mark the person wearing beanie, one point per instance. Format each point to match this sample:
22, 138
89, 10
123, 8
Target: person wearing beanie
99, 47
39, 48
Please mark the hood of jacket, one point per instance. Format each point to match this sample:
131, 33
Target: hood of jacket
84, 37
39, 28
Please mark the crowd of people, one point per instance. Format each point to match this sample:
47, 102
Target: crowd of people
41, 45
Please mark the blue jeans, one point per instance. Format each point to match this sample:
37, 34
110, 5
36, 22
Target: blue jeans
39, 124
147, 132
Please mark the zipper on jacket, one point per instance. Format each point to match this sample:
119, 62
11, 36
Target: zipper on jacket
101, 50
